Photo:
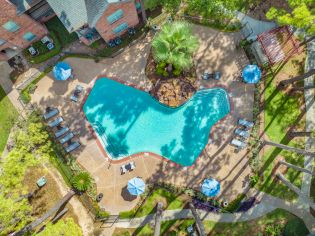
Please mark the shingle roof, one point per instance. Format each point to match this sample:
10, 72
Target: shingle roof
76, 13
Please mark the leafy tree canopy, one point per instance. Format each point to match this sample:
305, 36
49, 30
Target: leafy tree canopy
301, 15
31, 147
175, 45
62, 228
14, 214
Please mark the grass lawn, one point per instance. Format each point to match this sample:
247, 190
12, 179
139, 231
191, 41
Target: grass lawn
169, 200
43, 53
47, 196
63, 35
8, 116
274, 222
282, 111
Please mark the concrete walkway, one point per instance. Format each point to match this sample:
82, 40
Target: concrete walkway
267, 204
309, 96
7, 86
253, 27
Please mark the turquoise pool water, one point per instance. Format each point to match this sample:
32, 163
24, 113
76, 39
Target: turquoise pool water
129, 121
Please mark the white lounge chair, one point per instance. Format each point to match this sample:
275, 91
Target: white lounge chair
245, 123
72, 147
66, 138
55, 122
61, 132
239, 144
242, 133
51, 113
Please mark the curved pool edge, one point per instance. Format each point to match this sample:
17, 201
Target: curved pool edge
146, 153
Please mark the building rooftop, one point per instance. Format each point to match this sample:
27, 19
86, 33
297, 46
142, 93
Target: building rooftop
75, 14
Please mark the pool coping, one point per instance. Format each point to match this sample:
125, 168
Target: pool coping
144, 154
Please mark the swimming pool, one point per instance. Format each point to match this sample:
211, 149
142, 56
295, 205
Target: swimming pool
128, 121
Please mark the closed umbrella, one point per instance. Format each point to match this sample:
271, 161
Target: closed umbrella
210, 187
136, 186
251, 74
62, 71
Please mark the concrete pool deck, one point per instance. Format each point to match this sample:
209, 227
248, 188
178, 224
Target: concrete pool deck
217, 52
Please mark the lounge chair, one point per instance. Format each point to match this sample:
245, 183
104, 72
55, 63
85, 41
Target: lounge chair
242, 133
72, 146
50, 113
75, 95
61, 132
239, 144
55, 122
245, 123
66, 138
123, 169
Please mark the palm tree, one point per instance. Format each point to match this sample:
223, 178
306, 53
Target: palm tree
298, 78
199, 225
158, 217
292, 149
175, 45
82, 181
296, 167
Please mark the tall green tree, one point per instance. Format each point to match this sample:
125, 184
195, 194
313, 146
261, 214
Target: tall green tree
301, 15
13, 214
31, 146
175, 45
62, 228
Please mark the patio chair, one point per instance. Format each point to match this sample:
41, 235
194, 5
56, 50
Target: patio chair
61, 131
55, 122
132, 165
72, 147
216, 75
242, 133
239, 144
76, 93
123, 169
66, 138
51, 113
245, 123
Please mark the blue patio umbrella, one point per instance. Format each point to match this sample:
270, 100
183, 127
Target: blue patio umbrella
62, 71
251, 74
210, 187
136, 186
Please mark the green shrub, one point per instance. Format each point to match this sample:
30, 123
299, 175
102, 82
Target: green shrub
159, 71
273, 230
254, 180
165, 73
177, 72
82, 181
234, 205
295, 227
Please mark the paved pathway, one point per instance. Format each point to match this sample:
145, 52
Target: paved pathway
252, 26
267, 204
7, 86
309, 96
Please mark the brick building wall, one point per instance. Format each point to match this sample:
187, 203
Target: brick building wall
130, 16
26, 24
